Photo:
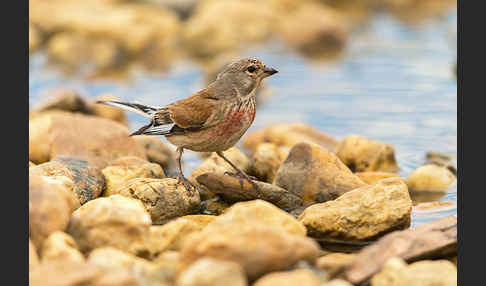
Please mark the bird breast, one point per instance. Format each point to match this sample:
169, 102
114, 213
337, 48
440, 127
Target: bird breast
236, 120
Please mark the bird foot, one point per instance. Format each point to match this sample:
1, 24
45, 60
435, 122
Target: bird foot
187, 184
242, 176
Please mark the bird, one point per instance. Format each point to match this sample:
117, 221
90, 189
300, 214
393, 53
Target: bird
210, 120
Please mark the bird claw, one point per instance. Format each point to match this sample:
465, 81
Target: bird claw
188, 185
241, 176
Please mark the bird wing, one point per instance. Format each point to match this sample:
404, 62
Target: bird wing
192, 112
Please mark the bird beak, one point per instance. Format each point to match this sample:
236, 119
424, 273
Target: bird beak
268, 71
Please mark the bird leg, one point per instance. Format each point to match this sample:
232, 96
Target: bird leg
180, 176
239, 173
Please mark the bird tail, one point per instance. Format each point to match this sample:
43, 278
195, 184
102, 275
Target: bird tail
143, 110
147, 111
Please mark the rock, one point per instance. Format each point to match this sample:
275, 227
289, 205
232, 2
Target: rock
85, 180
363, 155
333, 264
172, 235
422, 273
290, 278
443, 160
75, 273
337, 282
162, 198
239, 22
424, 197
33, 257
114, 221
69, 49
108, 112
260, 212
183, 8
90, 138
257, 235
214, 206
216, 164
35, 38
231, 190
315, 174
76, 51
212, 272
288, 135
436, 155
259, 249
127, 168
436, 239
169, 261
251, 140
114, 258
60, 246
144, 271
315, 30
371, 178
430, 178
157, 152
266, 160
64, 100
50, 207
135, 28
362, 214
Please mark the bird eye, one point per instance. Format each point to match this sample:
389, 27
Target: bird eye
251, 69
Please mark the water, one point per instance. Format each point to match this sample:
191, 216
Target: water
394, 84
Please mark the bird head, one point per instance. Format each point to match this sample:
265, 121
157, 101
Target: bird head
245, 75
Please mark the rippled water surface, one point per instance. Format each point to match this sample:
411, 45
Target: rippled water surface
394, 84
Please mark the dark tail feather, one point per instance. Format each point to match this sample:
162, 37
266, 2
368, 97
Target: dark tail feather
141, 130
146, 111
149, 129
143, 110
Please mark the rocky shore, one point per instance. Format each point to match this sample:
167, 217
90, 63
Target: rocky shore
103, 209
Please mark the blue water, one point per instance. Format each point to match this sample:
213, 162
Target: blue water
394, 84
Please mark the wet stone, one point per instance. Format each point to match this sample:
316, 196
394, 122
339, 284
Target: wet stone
33, 256
214, 206
233, 189
362, 214
162, 198
213, 272
87, 179
127, 168
172, 235
362, 155
257, 235
372, 177
115, 221
290, 278
315, 174
433, 240
50, 206
157, 152
86, 137
216, 164
60, 246
422, 273
334, 263
430, 178
266, 160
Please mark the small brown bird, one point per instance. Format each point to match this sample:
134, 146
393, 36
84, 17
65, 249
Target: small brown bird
212, 119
